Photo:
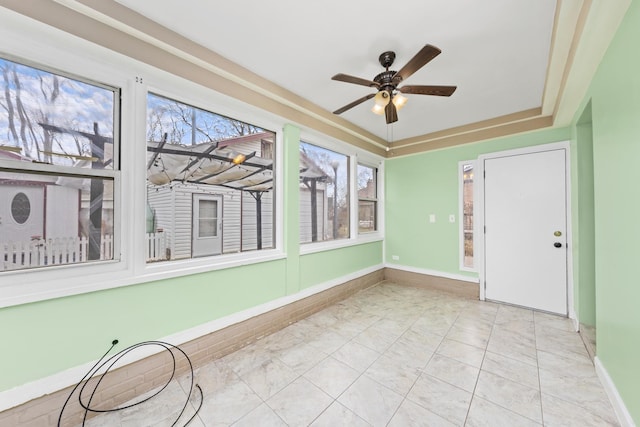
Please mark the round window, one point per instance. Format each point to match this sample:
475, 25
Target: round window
20, 208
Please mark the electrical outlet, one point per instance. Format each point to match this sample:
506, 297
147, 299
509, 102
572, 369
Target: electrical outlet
432, 218
395, 257
452, 218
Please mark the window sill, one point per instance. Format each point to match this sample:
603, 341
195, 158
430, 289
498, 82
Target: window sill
310, 248
170, 269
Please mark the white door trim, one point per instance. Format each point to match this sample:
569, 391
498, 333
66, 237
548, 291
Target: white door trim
478, 213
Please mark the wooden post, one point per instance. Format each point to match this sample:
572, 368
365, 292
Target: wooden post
96, 197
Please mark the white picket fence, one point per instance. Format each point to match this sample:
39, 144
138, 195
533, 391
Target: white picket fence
41, 252
69, 250
156, 246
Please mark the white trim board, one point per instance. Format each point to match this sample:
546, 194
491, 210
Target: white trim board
624, 417
69, 377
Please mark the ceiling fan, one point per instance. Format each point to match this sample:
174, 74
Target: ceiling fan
389, 99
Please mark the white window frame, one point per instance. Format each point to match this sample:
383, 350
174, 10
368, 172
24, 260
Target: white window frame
377, 202
172, 87
30, 43
355, 155
461, 165
33, 43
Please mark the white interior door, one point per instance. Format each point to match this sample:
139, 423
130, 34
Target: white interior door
207, 225
525, 221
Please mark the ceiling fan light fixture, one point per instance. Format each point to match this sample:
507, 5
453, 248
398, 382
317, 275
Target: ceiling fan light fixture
382, 98
378, 109
399, 100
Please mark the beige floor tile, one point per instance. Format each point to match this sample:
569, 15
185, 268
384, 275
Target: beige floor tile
410, 414
377, 339
338, 415
511, 369
393, 374
558, 412
299, 403
453, 372
563, 365
476, 337
373, 402
262, 416
302, 357
269, 378
546, 321
586, 392
518, 398
228, 405
332, 376
442, 398
486, 414
464, 353
356, 355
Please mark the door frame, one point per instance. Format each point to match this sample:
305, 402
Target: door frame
478, 212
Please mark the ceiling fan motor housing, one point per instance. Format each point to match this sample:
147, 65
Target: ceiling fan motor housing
385, 80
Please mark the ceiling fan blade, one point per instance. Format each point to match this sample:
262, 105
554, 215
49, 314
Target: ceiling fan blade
354, 103
428, 90
426, 54
355, 80
391, 113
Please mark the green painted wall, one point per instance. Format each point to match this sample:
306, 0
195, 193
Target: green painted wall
615, 102
427, 183
44, 338
583, 218
313, 267
50, 336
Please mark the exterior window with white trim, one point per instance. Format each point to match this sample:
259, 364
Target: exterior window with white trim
466, 177
367, 199
58, 164
210, 183
324, 194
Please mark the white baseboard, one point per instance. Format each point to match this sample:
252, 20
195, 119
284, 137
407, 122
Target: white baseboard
435, 273
616, 401
24, 393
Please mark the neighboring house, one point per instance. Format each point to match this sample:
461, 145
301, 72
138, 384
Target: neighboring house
36, 206
207, 199
202, 201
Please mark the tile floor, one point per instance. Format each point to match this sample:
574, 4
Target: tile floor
396, 356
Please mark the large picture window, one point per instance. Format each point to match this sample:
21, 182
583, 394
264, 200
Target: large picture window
210, 183
324, 194
58, 165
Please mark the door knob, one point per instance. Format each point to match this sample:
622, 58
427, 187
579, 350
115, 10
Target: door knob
557, 244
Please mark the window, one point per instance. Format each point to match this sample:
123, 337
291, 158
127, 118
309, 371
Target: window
324, 194
367, 199
20, 208
210, 183
58, 165
466, 214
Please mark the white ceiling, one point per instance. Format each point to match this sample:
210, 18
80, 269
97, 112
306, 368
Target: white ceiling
496, 51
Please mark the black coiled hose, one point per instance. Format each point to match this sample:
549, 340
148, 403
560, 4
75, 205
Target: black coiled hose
110, 362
